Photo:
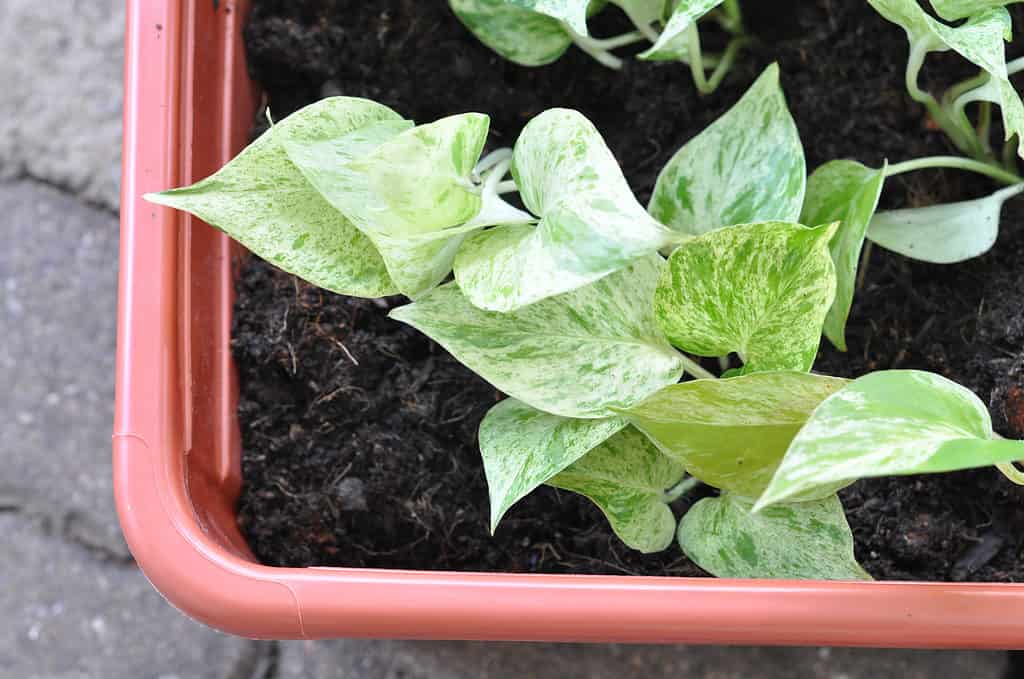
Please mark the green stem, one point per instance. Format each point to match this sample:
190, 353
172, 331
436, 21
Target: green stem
985, 124
680, 489
696, 59
598, 48
964, 138
696, 369
506, 187
1015, 66
1012, 472
962, 87
728, 59
955, 163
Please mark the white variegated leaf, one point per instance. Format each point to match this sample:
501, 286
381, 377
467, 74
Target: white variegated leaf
573, 13
1003, 94
626, 477
672, 44
732, 433
747, 166
888, 423
591, 224
262, 200
798, 541
405, 188
522, 448
576, 355
952, 10
642, 12
847, 192
519, 35
761, 290
943, 234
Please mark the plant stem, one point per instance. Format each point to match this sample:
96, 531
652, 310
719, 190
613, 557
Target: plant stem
696, 369
1015, 66
506, 187
728, 59
680, 489
1012, 472
700, 78
964, 139
491, 159
956, 163
598, 49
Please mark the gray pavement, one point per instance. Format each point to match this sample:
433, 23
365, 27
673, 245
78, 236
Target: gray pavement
73, 604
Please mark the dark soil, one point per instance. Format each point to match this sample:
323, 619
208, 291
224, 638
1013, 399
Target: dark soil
360, 434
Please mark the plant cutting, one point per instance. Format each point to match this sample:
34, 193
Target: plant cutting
569, 309
538, 32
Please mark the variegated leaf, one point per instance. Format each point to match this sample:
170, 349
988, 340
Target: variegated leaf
761, 290
519, 35
591, 224
888, 423
403, 187
732, 433
261, 199
943, 234
804, 540
573, 13
642, 12
577, 355
847, 192
626, 477
1004, 95
951, 10
672, 44
747, 166
522, 448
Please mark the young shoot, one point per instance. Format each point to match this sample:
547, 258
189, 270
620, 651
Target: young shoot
535, 32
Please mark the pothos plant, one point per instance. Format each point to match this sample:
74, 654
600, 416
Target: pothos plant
538, 32
568, 307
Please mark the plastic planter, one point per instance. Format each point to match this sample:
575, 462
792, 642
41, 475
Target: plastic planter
188, 109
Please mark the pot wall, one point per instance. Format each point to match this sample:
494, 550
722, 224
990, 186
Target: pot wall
188, 109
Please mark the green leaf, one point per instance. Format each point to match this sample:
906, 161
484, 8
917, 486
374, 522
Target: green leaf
951, 10
577, 355
943, 234
732, 433
263, 201
626, 477
522, 448
642, 12
747, 166
403, 188
672, 44
847, 192
888, 423
591, 224
761, 290
805, 540
571, 12
517, 34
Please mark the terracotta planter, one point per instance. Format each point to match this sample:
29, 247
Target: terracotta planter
188, 109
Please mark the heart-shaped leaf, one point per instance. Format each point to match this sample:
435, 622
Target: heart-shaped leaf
573, 13
408, 190
732, 433
522, 448
520, 35
747, 166
943, 234
843, 191
626, 477
576, 355
591, 224
262, 200
888, 423
800, 541
672, 43
951, 10
761, 290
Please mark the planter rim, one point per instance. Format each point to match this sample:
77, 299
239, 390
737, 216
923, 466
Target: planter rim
188, 106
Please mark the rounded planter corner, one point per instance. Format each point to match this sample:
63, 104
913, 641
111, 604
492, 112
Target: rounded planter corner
189, 107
